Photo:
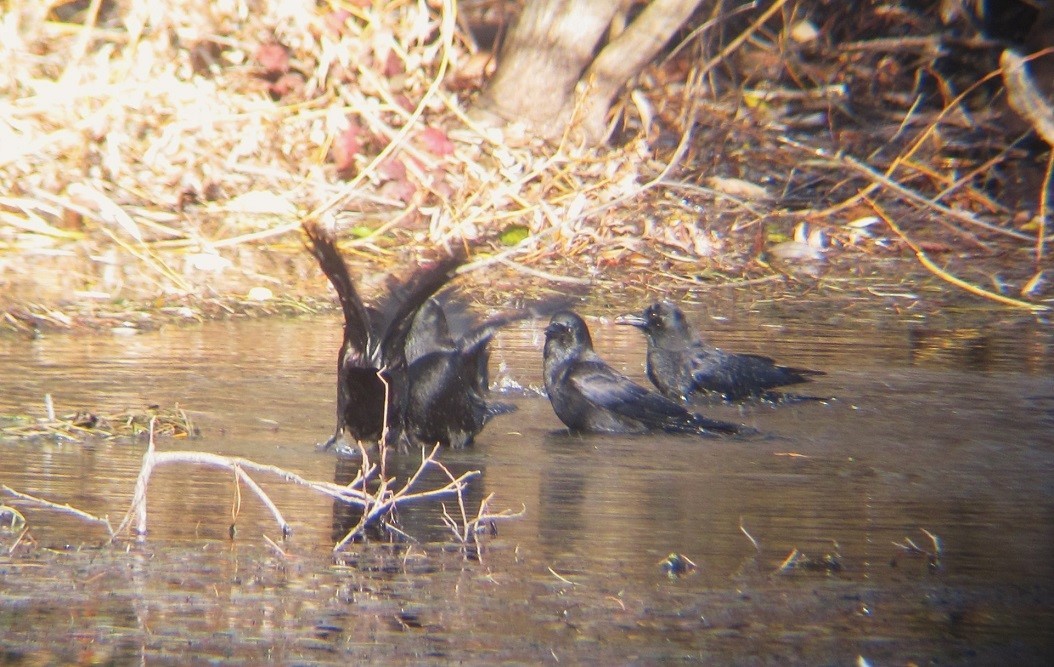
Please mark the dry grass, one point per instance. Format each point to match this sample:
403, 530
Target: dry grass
110, 130
86, 425
156, 150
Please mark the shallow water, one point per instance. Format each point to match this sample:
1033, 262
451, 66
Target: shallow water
947, 431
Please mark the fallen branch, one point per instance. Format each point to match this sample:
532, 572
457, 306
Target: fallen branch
152, 459
374, 505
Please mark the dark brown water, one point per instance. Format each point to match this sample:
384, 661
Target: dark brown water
948, 431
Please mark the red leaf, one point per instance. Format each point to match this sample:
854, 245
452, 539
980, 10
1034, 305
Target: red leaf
335, 20
393, 169
293, 82
393, 64
274, 57
436, 142
346, 146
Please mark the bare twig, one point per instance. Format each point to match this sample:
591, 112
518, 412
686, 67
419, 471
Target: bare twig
563, 579
789, 561
383, 500
65, 508
467, 530
933, 557
750, 537
1044, 207
383, 444
930, 44
274, 545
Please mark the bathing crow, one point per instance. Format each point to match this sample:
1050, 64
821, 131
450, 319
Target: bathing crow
449, 378
590, 396
681, 364
371, 366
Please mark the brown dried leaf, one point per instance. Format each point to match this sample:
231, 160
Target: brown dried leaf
737, 187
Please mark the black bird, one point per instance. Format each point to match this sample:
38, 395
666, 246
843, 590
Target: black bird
449, 377
371, 366
590, 396
681, 364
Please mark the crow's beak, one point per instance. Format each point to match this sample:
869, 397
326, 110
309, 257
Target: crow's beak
632, 320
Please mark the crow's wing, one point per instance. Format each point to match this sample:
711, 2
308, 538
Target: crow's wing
356, 319
599, 384
399, 313
429, 332
738, 375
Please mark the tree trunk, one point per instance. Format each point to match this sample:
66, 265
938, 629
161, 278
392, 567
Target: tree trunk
551, 76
